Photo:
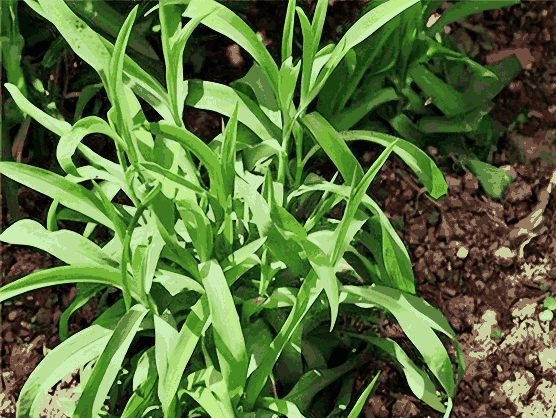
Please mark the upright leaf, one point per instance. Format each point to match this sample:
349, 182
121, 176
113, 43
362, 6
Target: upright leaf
307, 61
174, 39
116, 86
228, 154
318, 23
362, 29
230, 343
287, 37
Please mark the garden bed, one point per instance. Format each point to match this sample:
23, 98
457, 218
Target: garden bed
489, 281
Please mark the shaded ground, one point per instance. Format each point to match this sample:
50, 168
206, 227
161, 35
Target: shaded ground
469, 258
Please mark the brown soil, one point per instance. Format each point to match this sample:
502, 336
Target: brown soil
469, 259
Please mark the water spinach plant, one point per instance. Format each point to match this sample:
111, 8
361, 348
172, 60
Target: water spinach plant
412, 80
213, 264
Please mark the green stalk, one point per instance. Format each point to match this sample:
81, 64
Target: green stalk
126, 249
298, 161
283, 157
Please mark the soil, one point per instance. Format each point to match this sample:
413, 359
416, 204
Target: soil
486, 265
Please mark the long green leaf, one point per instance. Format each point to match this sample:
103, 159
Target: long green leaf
336, 149
116, 86
419, 320
102, 16
198, 321
308, 53
116, 218
287, 83
163, 210
76, 351
108, 365
448, 99
57, 126
143, 84
360, 404
70, 140
460, 10
228, 154
420, 163
68, 246
85, 292
315, 381
199, 227
318, 23
287, 38
419, 382
391, 242
144, 380
57, 187
230, 342
362, 29
166, 340
173, 56
357, 193
76, 273
83, 40
319, 260
349, 117
96, 51
222, 99
308, 294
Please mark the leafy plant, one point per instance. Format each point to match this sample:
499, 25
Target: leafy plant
216, 268
428, 91
497, 333
549, 304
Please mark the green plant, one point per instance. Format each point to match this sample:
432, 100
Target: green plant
549, 303
428, 91
216, 268
497, 333
519, 119
46, 95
